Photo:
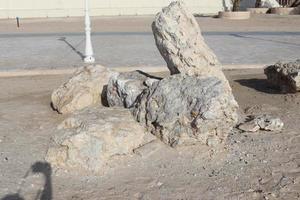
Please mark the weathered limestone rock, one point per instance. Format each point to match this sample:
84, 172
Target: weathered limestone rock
270, 4
124, 88
184, 110
286, 76
179, 40
91, 138
261, 122
82, 90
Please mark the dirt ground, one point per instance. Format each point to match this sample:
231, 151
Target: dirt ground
262, 165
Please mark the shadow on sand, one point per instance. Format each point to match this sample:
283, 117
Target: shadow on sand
43, 168
261, 85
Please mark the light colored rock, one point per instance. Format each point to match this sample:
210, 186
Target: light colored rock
250, 126
179, 40
262, 122
82, 90
286, 76
150, 148
270, 4
91, 138
124, 88
184, 110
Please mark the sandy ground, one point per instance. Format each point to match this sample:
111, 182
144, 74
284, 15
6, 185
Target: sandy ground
262, 165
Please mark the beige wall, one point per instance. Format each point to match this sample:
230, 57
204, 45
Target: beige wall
64, 8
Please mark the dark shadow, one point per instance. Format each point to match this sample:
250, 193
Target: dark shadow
72, 47
43, 168
261, 39
104, 100
13, 197
261, 85
149, 75
52, 106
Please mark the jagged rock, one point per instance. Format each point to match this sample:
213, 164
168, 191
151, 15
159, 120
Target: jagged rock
124, 88
179, 40
82, 90
91, 138
261, 122
184, 110
285, 76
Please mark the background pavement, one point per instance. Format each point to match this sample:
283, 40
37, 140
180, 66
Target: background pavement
128, 42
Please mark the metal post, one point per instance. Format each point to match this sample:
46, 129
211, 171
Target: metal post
89, 54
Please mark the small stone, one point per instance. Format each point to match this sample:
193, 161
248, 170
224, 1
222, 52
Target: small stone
251, 126
261, 122
269, 123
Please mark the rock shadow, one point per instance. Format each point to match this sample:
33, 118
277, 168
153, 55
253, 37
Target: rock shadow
261, 85
149, 75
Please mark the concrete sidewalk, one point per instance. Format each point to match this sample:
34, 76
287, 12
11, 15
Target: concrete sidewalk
134, 46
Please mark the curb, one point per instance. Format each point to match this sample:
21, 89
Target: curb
149, 69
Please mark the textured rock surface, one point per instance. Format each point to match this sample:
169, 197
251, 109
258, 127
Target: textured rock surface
262, 122
286, 76
270, 4
82, 90
183, 110
89, 139
179, 40
124, 88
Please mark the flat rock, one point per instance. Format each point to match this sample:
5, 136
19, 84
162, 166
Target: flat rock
151, 148
179, 40
285, 76
184, 110
83, 89
262, 122
124, 88
88, 140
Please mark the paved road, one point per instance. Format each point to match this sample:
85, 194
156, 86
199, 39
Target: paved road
114, 49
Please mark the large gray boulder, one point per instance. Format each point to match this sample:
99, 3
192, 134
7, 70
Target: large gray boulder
179, 40
184, 110
285, 76
124, 88
90, 139
83, 89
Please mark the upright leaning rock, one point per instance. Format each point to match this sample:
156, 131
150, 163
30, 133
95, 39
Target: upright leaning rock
179, 40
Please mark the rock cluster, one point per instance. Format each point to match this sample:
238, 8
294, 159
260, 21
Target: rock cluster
261, 122
82, 90
195, 104
89, 139
285, 76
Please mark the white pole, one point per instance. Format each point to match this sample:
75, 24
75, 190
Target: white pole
89, 54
